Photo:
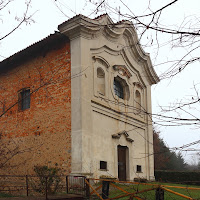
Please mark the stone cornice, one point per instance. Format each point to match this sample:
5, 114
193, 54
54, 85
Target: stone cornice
110, 111
80, 26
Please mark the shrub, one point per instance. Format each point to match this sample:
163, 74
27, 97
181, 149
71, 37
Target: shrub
48, 177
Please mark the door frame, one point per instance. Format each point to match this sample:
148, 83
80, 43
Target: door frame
126, 160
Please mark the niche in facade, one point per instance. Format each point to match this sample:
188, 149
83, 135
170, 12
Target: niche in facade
138, 100
100, 81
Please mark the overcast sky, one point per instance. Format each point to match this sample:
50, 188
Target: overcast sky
47, 17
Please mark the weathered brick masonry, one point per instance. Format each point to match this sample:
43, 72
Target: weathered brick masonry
40, 135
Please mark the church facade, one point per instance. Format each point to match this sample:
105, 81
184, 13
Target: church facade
83, 101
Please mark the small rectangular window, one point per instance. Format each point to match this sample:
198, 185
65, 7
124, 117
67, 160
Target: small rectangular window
103, 165
24, 99
139, 168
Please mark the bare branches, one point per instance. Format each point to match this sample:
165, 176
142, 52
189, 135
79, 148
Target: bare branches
3, 4
157, 11
184, 34
10, 148
26, 18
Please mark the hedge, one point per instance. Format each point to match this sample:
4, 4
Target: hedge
186, 177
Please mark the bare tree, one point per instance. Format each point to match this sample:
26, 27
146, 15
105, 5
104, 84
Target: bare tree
177, 36
8, 12
153, 29
153, 32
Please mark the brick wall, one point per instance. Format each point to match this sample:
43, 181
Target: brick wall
40, 135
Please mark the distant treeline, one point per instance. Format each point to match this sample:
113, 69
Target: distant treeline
164, 158
184, 177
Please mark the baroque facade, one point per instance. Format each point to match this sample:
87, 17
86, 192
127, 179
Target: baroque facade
83, 101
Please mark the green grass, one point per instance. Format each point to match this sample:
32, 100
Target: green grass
195, 194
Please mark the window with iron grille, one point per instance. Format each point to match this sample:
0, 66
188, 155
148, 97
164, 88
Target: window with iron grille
103, 165
118, 89
24, 99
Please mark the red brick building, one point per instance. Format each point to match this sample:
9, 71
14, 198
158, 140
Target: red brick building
78, 100
38, 130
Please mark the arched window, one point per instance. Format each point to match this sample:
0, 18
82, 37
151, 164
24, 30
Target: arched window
101, 81
138, 100
118, 88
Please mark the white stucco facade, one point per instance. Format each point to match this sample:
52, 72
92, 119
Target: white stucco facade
102, 122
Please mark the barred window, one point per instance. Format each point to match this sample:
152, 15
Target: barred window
118, 89
24, 99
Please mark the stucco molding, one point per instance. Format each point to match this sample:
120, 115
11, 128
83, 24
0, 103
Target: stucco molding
108, 110
101, 60
122, 70
113, 32
137, 51
133, 69
139, 85
105, 48
82, 26
118, 135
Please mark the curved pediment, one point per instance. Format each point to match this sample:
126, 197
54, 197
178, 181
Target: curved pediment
126, 135
122, 33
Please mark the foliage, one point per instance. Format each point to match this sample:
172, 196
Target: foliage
48, 177
178, 176
164, 158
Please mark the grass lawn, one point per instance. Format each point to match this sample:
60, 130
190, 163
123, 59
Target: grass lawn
195, 194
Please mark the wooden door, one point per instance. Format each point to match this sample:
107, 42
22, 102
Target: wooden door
121, 150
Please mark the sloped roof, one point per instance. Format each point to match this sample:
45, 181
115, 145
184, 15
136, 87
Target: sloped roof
33, 50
